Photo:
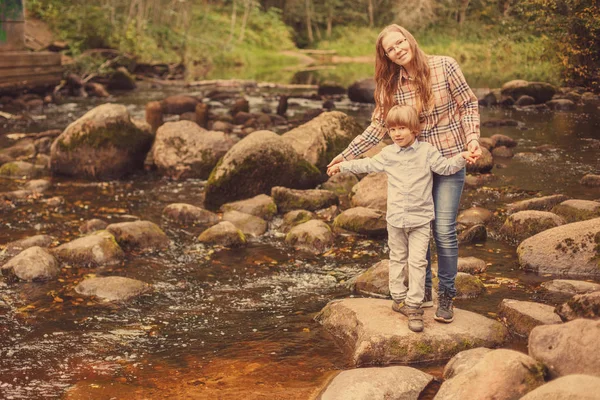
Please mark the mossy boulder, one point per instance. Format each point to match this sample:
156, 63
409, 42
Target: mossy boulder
310, 199
103, 144
577, 210
366, 221
324, 137
371, 333
468, 286
571, 250
97, 249
296, 217
139, 236
261, 206
254, 165
19, 170
500, 374
544, 203
225, 234
250, 225
523, 224
522, 316
187, 214
580, 306
540, 91
570, 387
313, 236
112, 288
371, 192
32, 264
183, 149
24, 149
340, 184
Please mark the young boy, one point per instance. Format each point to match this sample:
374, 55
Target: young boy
408, 165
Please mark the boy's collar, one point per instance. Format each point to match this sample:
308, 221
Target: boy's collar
414, 145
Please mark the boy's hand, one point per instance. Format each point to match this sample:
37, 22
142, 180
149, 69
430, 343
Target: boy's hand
474, 149
334, 169
470, 157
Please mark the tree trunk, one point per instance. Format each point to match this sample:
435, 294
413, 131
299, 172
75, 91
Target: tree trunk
309, 31
247, 4
462, 12
329, 26
232, 29
370, 12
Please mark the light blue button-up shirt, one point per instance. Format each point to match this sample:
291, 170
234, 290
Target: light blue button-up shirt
410, 179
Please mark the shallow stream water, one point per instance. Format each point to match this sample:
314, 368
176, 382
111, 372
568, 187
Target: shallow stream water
234, 323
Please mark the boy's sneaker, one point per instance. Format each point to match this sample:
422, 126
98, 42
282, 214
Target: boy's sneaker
414, 315
445, 310
427, 298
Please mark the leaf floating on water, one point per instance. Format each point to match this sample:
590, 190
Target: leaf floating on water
305, 329
58, 300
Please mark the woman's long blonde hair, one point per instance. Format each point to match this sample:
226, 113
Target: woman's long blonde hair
387, 74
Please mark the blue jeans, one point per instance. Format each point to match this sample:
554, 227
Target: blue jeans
446, 199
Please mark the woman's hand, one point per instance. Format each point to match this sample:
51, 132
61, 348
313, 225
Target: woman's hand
474, 150
336, 160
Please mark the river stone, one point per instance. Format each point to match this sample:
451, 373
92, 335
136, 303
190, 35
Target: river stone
121, 79
590, 180
484, 164
577, 210
468, 286
522, 316
328, 214
19, 170
139, 235
362, 91
32, 264
540, 91
22, 150
396, 382
471, 265
374, 281
464, 361
103, 144
179, 104
37, 185
324, 137
487, 142
261, 206
541, 203
473, 234
366, 221
374, 334
371, 192
17, 195
568, 250
525, 101
474, 181
570, 387
474, 216
17, 246
523, 224
570, 287
341, 184
92, 225
296, 217
254, 165
225, 234
503, 140
250, 225
501, 374
314, 236
503, 152
96, 249
182, 149
112, 288
561, 105
569, 348
187, 214
580, 306
311, 199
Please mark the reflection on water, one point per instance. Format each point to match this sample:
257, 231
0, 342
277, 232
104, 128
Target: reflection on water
234, 323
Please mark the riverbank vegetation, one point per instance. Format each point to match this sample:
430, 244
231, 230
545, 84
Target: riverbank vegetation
494, 40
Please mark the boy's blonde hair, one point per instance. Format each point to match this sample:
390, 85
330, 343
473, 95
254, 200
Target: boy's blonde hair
402, 115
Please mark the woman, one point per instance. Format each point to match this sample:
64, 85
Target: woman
449, 116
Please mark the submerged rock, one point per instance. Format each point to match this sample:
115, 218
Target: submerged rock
19, 170
577, 210
371, 192
522, 316
225, 234
187, 214
17, 246
569, 348
314, 236
261, 206
112, 288
32, 264
523, 224
377, 383
590, 180
139, 235
366, 221
474, 215
38, 185
374, 334
500, 374
541, 203
96, 249
311, 200
257, 163
580, 306
103, 144
570, 387
570, 287
92, 225
471, 265
568, 250
473, 234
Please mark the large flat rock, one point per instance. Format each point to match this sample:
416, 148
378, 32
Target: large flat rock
372, 333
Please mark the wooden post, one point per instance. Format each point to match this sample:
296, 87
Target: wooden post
12, 25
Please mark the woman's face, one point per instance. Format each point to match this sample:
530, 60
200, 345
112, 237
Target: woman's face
397, 48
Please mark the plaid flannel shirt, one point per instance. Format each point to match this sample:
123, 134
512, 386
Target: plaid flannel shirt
450, 126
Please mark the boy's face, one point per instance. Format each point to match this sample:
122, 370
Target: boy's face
402, 136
